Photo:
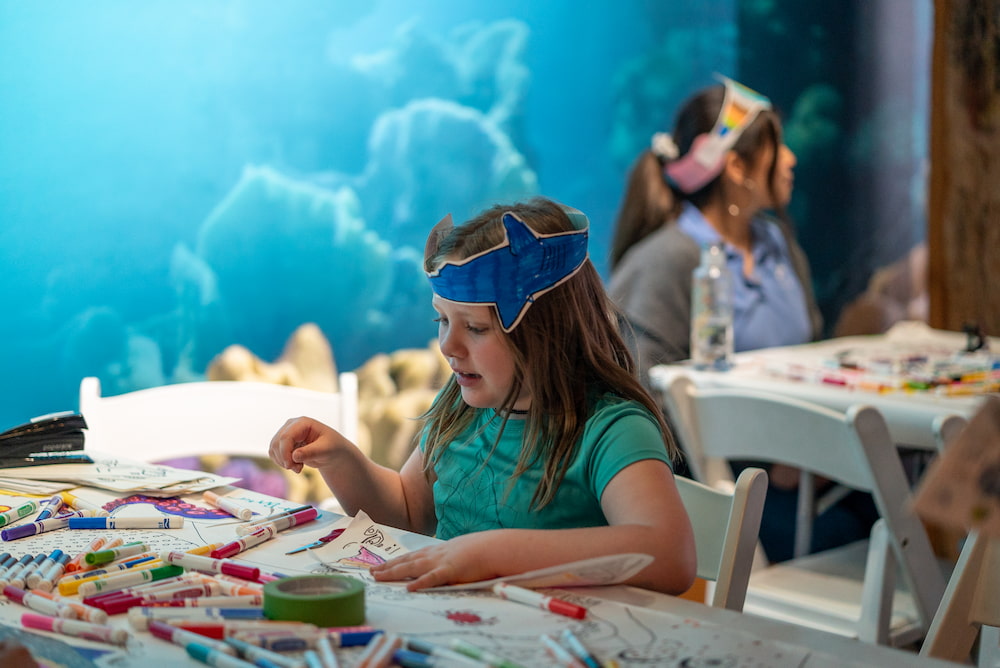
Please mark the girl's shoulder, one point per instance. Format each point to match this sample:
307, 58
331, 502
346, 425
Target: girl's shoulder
609, 407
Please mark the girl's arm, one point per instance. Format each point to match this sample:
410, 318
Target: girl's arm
400, 499
644, 512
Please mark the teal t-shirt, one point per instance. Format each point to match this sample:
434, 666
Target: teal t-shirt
471, 497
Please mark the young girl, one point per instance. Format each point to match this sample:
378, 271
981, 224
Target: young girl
543, 448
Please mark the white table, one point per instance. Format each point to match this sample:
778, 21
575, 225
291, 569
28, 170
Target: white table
623, 621
909, 415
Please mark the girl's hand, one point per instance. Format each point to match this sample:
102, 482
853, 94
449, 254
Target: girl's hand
462, 559
304, 441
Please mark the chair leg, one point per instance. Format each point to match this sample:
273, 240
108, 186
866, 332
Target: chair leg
878, 588
805, 515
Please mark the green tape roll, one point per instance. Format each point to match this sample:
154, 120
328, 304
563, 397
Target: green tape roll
323, 600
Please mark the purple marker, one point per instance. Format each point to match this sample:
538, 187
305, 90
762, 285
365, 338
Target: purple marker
34, 528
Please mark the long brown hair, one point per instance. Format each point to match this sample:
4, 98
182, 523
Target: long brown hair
567, 351
649, 201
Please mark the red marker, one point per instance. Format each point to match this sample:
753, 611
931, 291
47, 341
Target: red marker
521, 595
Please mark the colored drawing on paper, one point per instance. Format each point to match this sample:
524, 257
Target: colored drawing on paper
171, 506
364, 558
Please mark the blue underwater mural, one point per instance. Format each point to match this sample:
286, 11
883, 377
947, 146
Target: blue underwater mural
177, 175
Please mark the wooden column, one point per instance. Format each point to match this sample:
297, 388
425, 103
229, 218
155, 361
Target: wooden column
964, 189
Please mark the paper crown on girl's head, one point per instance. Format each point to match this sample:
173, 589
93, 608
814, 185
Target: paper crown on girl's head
512, 274
706, 158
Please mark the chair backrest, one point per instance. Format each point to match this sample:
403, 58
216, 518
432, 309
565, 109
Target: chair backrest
236, 418
725, 532
970, 602
946, 428
853, 448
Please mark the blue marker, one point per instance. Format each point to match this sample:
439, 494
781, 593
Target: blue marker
50, 507
214, 657
158, 522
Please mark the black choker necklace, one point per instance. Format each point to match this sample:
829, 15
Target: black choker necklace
510, 411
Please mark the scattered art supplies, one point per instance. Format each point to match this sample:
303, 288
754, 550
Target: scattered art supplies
47, 439
114, 474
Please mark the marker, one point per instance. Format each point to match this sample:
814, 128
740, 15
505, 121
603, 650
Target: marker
35, 602
262, 534
30, 575
35, 528
75, 628
470, 650
181, 637
214, 657
96, 544
511, 592
140, 617
249, 601
443, 655
326, 653
14, 514
253, 653
221, 629
77, 503
50, 507
159, 522
14, 568
107, 556
47, 580
210, 565
288, 521
16, 574
559, 653
202, 550
409, 658
249, 527
79, 610
378, 653
231, 506
578, 649
52, 563
122, 580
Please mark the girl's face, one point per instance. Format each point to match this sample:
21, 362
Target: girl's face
784, 176
477, 351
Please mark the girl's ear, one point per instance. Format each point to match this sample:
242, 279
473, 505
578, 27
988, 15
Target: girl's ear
735, 168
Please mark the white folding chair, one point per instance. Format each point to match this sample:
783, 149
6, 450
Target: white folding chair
235, 418
851, 590
725, 533
970, 606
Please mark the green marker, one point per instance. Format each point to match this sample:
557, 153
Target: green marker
102, 557
479, 654
15, 514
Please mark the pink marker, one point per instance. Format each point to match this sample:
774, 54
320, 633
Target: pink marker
182, 637
240, 544
283, 522
75, 628
211, 565
35, 602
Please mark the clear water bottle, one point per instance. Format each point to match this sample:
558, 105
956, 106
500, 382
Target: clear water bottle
712, 311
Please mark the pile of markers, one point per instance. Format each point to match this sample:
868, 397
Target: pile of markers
203, 600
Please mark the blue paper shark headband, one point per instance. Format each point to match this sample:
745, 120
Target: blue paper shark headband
512, 274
